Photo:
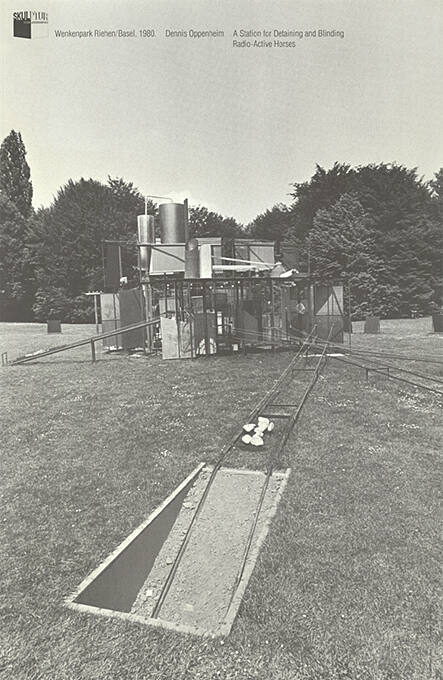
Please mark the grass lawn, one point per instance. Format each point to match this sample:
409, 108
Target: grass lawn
347, 584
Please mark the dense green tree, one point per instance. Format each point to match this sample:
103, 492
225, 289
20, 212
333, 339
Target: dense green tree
321, 191
67, 243
204, 222
389, 274
415, 263
390, 192
437, 196
128, 203
404, 218
342, 247
15, 181
437, 192
16, 275
273, 225
408, 239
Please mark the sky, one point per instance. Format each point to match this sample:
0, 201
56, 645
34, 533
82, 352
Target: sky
229, 127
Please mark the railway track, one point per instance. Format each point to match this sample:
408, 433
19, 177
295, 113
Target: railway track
371, 362
287, 414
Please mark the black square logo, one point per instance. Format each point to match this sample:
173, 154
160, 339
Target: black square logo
30, 24
22, 28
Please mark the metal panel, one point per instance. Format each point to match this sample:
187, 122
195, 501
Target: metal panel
131, 311
261, 253
249, 319
176, 338
192, 260
169, 330
110, 307
197, 303
116, 340
328, 300
289, 255
217, 254
168, 259
205, 331
166, 305
113, 266
267, 330
185, 348
337, 294
241, 252
206, 261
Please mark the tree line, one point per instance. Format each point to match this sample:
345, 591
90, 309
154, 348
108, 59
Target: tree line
378, 228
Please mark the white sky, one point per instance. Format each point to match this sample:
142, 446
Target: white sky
229, 128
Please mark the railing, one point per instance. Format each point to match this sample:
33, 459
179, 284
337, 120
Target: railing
87, 341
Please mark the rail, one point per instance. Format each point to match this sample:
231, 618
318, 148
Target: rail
226, 450
79, 343
265, 401
275, 457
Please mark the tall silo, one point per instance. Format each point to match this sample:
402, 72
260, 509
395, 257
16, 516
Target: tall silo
146, 234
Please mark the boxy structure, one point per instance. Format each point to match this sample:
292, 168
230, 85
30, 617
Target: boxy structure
214, 294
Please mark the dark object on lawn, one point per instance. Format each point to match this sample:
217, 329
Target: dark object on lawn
372, 324
54, 326
437, 322
347, 325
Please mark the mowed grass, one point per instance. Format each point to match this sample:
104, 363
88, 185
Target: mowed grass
347, 584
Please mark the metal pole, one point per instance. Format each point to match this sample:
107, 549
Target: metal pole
309, 256
272, 315
186, 215
165, 289
191, 320
97, 330
207, 344
93, 351
115, 318
349, 315
103, 267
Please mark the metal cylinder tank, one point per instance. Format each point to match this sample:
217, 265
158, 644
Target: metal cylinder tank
146, 234
146, 228
172, 223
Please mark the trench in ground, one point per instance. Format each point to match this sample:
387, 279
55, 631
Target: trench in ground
200, 599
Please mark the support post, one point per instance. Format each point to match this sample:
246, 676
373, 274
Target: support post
349, 316
97, 330
205, 313
165, 288
93, 351
272, 316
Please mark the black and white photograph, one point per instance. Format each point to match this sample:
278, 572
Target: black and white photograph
221, 339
